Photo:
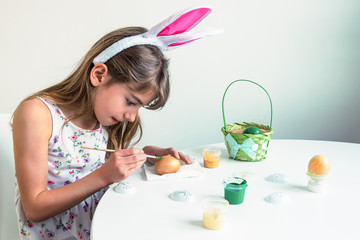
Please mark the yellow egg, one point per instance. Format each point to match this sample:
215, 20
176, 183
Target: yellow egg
319, 165
167, 164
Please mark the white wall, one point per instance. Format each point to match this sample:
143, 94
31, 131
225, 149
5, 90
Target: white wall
305, 53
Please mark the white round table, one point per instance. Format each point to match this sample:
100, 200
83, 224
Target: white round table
151, 214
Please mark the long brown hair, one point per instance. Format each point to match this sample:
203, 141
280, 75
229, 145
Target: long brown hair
141, 68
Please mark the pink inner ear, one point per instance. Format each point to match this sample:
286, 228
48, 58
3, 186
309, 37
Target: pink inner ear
181, 43
185, 22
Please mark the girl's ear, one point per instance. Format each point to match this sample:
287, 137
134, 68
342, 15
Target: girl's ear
98, 74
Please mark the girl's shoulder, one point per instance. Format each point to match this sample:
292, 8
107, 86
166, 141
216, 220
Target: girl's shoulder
33, 106
32, 113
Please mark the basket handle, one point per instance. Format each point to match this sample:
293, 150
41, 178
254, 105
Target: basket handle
244, 80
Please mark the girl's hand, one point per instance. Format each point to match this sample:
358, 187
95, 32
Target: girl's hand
157, 151
121, 164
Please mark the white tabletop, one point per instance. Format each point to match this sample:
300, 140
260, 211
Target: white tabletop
151, 214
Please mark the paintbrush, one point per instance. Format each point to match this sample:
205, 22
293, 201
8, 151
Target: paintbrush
113, 150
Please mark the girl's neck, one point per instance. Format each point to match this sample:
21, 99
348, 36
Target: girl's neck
86, 122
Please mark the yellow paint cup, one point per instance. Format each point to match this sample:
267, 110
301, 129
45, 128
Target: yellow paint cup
211, 157
214, 212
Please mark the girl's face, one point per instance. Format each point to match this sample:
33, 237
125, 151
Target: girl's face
117, 103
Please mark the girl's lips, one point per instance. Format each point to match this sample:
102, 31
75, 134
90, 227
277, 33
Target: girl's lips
115, 120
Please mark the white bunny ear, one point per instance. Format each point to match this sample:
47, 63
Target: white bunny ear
170, 33
180, 22
174, 31
177, 40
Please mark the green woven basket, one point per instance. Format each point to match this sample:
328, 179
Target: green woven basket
246, 147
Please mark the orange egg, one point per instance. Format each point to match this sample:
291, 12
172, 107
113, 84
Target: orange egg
319, 165
167, 164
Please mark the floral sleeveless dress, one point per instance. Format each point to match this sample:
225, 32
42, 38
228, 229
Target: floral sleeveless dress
67, 162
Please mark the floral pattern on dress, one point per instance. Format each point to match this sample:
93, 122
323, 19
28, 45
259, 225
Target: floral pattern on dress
67, 163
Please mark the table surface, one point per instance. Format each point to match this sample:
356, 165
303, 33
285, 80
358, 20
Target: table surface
151, 214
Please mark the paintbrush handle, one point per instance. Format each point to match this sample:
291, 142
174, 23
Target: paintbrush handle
99, 149
113, 150
151, 156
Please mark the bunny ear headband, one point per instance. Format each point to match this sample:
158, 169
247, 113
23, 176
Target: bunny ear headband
168, 34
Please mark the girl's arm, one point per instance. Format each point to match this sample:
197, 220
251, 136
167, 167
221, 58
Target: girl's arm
32, 128
157, 151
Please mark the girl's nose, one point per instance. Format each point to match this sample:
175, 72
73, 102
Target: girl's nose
130, 116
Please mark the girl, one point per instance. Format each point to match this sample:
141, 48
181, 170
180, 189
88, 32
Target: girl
58, 182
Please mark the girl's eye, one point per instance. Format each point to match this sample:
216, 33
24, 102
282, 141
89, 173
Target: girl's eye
130, 103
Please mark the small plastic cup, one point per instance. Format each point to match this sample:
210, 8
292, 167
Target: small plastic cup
317, 183
234, 189
211, 157
214, 212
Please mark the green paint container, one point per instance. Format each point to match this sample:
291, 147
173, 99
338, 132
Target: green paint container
234, 190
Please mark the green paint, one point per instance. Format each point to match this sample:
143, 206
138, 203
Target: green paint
235, 192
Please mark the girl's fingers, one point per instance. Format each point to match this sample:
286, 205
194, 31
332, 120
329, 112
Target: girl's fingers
179, 155
129, 156
132, 168
129, 152
152, 160
173, 152
184, 158
132, 159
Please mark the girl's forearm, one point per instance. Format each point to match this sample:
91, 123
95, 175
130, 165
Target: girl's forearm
50, 203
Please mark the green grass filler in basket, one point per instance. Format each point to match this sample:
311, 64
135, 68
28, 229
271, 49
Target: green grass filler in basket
247, 141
